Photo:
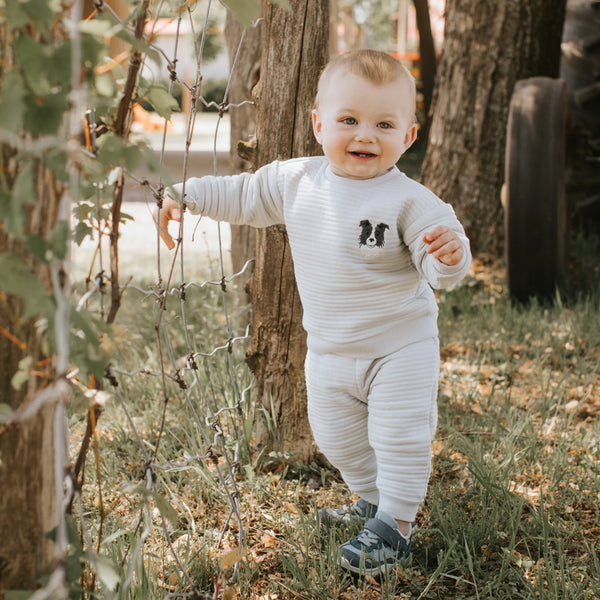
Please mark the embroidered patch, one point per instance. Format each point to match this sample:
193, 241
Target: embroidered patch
372, 237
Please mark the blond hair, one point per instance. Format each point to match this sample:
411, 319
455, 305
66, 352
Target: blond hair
373, 65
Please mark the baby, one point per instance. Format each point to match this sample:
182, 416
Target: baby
368, 244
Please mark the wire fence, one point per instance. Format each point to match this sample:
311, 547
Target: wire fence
216, 416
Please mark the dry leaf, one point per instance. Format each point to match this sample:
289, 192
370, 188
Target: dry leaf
231, 557
290, 507
268, 540
230, 593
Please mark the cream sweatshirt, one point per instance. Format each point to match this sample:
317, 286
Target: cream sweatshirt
362, 269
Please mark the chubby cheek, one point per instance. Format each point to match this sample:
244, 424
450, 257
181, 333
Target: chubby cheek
334, 147
394, 151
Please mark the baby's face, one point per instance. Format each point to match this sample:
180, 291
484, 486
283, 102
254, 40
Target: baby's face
364, 128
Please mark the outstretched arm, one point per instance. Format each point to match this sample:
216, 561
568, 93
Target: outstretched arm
243, 199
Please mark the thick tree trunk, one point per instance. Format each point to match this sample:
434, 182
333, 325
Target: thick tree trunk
242, 122
488, 46
27, 500
28, 508
294, 49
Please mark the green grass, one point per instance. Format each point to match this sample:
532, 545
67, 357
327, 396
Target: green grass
512, 509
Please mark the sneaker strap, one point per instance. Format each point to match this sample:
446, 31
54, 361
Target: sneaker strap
389, 535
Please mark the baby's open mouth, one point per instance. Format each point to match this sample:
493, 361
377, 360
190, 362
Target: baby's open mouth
363, 154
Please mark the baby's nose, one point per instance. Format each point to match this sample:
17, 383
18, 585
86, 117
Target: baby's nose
365, 133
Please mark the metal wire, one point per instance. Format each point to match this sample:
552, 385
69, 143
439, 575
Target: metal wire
192, 389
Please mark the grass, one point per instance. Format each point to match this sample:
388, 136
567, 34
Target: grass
512, 509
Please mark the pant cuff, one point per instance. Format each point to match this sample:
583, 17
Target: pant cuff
401, 510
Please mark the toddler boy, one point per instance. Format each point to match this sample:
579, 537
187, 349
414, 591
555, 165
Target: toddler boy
368, 244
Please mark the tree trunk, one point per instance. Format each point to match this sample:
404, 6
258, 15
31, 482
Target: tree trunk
426, 53
488, 46
242, 122
294, 49
28, 508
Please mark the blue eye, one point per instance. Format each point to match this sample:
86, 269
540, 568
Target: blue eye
385, 125
349, 121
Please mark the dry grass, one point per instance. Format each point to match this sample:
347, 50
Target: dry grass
512, 510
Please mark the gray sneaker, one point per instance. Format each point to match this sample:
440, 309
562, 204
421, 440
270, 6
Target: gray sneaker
357, 513
377, 548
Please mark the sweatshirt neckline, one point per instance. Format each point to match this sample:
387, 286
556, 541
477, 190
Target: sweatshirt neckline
391, 174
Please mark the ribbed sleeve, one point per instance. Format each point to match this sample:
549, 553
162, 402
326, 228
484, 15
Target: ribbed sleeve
245, 199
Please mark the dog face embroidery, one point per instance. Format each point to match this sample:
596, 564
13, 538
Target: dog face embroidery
372, 237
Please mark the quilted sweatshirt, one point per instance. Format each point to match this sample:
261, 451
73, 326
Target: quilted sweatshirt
362, 270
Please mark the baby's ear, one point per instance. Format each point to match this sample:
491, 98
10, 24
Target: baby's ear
410, 136
316, 122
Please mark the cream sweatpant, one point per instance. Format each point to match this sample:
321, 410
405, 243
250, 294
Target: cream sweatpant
375, 420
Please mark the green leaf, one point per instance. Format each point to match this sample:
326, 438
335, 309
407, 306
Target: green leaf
113, 151
113, 536
93, 51
59, 65
82, 320
12, 216
82, 230
105, 569
245, 11
17, 278
22, 375
164, 104
12, 205
44, 114
56, 160
15, 15
73, 536
140, 45
105, 85
85, 342
165, 508
96, 27
37, 246
59, 239
39, 13
24, 189
32, 61
11, 101
83, 210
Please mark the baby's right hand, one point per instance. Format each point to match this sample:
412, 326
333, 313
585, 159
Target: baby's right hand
170, 211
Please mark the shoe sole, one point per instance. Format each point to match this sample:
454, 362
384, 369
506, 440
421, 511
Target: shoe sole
374, 572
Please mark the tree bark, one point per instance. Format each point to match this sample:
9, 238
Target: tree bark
488, 47
294, 49
426, 52
242, 122
28, 508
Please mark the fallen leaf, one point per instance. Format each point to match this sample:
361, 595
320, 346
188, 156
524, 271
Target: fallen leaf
290, 507
269, 540
231, 557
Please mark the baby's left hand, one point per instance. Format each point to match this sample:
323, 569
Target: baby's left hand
444, 245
